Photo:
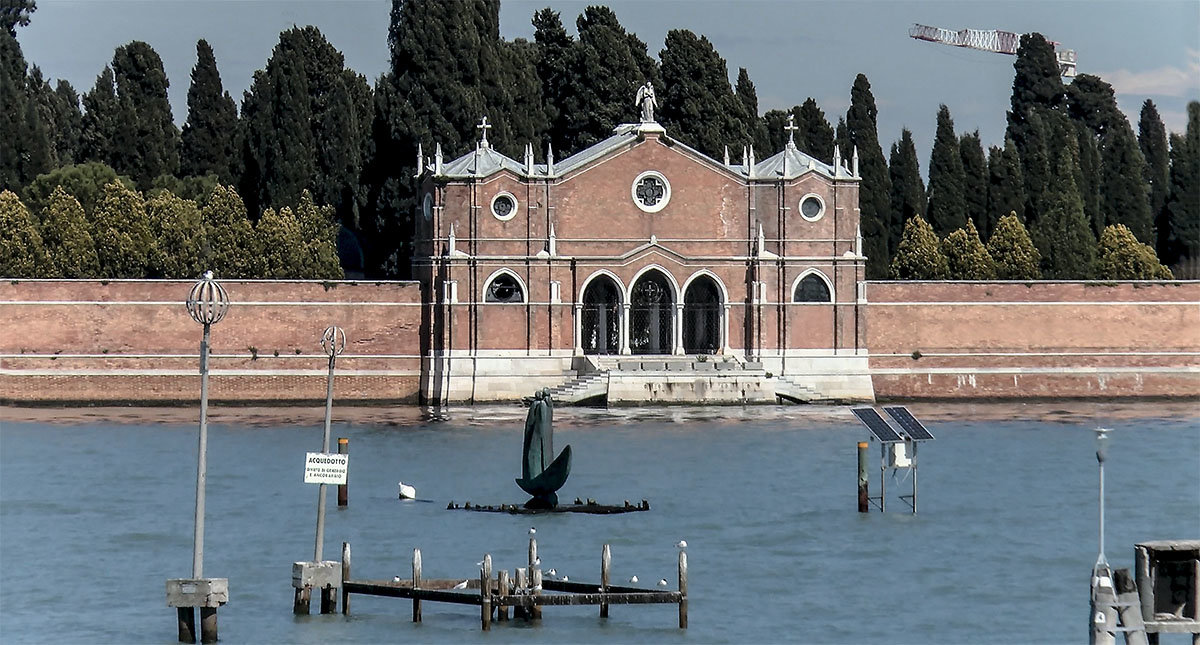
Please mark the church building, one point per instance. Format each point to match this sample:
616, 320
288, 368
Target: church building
640, 269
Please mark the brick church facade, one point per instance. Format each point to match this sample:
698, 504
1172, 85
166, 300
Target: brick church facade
640, 269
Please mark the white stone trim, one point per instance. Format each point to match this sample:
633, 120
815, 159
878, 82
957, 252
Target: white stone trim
427, 206
488, 283
675, 295
800, 207
662, 203
705, 272
824, 278
621, 289
516, 205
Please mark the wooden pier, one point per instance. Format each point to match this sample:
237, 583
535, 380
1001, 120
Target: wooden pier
526, 591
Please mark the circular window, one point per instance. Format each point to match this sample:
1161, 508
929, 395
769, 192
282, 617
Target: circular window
651, 191
427, 206
504, 206
812, 207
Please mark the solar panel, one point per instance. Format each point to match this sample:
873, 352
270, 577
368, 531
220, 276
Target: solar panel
908, 423
875, 423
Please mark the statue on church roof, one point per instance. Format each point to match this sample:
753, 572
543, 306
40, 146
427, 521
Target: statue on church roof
646, 102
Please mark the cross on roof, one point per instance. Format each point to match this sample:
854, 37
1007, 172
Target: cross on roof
483, 127
791, 129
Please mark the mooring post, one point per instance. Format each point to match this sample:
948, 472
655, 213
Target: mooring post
535, 577
882, 477
345, 577
333, 341
605, 561
1103, 614
208, 624
864, 475
416, 570
302, 600
1129, 608
520, 611
502, 583
682, 589
485, 593
344, 489
187, 624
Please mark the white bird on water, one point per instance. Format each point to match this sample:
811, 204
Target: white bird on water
407, 491
662, 582
395, 578
553, 572
633, 579
461, 585
532, 530
681, 544
564, 579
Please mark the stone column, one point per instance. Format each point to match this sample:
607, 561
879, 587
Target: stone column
725, 348
578, 329
625, 328
677, 325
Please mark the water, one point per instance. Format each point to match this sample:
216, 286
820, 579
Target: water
96, 513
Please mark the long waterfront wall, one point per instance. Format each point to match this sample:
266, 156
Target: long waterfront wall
1018, 340
118, 341
132, 341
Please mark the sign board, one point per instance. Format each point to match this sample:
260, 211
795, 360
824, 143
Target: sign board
325, 468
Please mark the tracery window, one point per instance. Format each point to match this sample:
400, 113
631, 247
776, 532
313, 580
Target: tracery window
504, 288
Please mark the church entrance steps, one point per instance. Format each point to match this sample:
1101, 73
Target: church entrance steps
581, 388
787, 389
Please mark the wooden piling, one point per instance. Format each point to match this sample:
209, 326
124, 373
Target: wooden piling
1129, 609
520, 611
416, 573
302, 601
187, 624
864, 499
208, 624
328, 600
345, 577
605, 561
1103, 613
683, 605
504, 590
485, 593
344, 489
536, 581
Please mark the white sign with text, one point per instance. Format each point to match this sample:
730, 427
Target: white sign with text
325, 468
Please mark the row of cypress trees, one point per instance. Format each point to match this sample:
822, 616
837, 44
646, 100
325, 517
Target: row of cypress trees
309, 123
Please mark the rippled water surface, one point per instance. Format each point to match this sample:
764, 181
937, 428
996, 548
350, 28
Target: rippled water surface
96, 512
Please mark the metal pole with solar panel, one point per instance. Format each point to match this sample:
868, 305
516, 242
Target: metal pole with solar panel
897, 448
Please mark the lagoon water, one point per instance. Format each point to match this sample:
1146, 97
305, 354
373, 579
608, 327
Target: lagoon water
96, 512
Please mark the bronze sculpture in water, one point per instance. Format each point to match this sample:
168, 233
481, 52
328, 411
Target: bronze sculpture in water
542, 474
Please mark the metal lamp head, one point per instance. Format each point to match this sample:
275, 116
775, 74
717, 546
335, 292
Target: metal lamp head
207, 301
1101, 444
333, 341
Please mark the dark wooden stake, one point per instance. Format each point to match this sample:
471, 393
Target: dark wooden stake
187, 624
520, 611
328, 600
344, 489
416, 567
502, 582
302, 602
864, 500
682, 589
345, 577
208, 624
605, 561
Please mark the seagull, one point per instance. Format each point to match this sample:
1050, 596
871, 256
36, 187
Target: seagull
662, 583
395, 578
461, 585
564, 579
553, 572
532, 530
479, 564
681, 544
633, 579
537, 562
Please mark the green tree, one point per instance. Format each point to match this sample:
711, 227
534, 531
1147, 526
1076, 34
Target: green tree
179, 228
233, 250
908, 189
22, 254
208, 144
874, 193
947, 210
1006, 187
125, 245
755, 128
100, 119
84, 181
699, 106
815, 136
774, 122
1015, 255
1123, 257
1063, 235
1089, 177
282, 243
1152, 138
966, 256
529, 113
68, 243
24, 143
196, 189
975, 178
16, 14
919, 255
1183, 200
552, 65
1037, 93
68, 124
319, 231
147, 139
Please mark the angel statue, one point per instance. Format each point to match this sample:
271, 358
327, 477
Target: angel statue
646, 102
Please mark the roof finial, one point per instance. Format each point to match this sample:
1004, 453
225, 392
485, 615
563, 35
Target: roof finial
837, 160
854, 162
549, 159
420, 161
791, 128
529, 159
437, 159
483, 127
726, 155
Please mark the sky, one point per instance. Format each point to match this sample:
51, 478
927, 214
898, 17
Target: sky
792, 49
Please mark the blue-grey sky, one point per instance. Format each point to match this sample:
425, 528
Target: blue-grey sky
792, 49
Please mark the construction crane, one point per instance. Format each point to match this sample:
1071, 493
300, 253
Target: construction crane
990, 40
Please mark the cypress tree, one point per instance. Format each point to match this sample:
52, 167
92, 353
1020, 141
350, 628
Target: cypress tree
529, 120
919, 255
68, 124
1183, 200
966, 256
1037, 91
1152, 138
774, 122
947, 210
147, 138
1123, 257
1123, 190
232, 251
65, 233
1089, 177
1063, 235
604, 77
908, 189
22, 254
842, 135
1015, 255
699, 106
552, 61
179, 227
16, 14
125, 246
208, 136
754, 125
99, 125
25, 150
280, 161
874, 194
815, 132
975, 178
1006, 187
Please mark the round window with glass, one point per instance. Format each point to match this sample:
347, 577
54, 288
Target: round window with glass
651, 191
812, 207
504, 206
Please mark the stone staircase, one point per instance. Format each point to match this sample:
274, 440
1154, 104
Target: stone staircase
787, 389
593, 385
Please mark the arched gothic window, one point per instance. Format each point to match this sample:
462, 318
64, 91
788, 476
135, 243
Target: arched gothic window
504, 287
812, 289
